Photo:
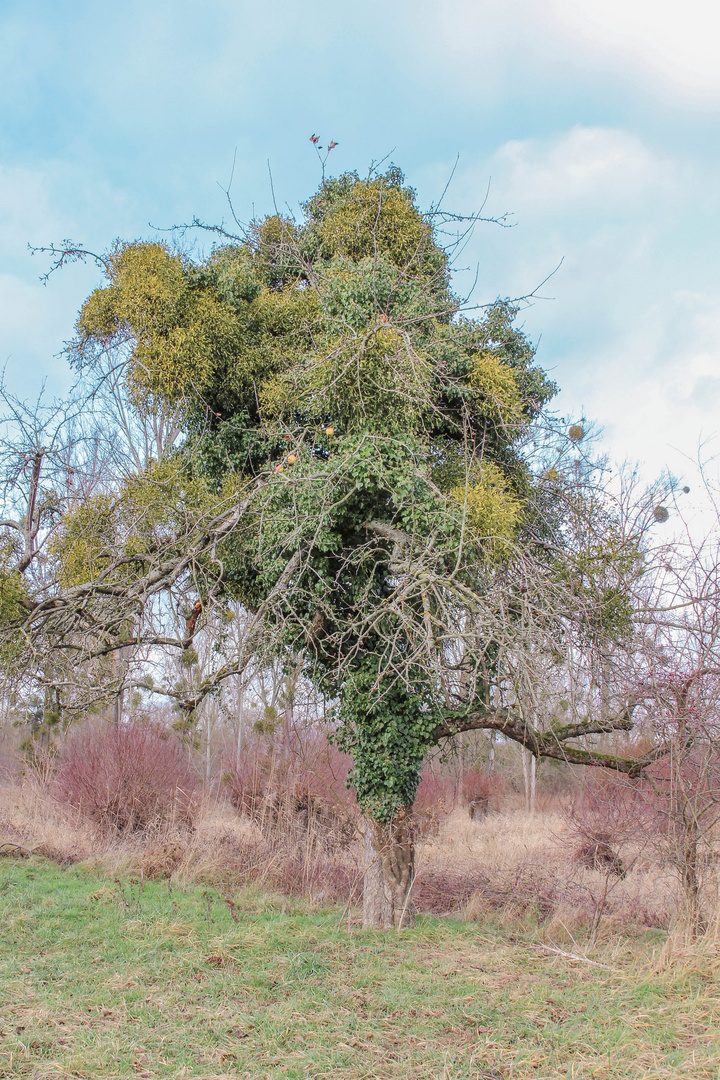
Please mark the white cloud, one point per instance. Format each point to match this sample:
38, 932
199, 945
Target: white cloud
632, 335
655, 387
668, 44
586, 165
598, 198
675, 43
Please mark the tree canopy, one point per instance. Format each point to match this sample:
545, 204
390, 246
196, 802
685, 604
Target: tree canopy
327, 360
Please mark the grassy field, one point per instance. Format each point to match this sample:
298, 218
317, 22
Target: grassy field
103, 978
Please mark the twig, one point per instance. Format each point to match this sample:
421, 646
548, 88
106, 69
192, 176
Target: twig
574, 956
346, 909
25, 852
405, 905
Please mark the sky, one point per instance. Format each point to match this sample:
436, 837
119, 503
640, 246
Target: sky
593, 124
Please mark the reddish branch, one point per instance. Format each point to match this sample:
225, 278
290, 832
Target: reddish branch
191, 622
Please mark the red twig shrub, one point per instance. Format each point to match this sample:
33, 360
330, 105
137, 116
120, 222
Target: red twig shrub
434, 800
298, 786
481, 791
128, 778
682, 797
605, 814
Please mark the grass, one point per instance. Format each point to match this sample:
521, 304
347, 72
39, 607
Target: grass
103, 978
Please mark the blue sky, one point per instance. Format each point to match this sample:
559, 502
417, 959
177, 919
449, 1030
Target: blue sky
595, 121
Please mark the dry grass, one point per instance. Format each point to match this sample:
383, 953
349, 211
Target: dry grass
511, 863
31, 818
519, 863
222, 847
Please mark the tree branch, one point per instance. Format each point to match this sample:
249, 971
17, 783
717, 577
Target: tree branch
553, 744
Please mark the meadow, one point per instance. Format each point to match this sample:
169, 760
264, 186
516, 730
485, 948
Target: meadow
232, 946
125, 977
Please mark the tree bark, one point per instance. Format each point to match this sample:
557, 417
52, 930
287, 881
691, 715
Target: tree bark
240, 709
389, 873
690, 875
529, 762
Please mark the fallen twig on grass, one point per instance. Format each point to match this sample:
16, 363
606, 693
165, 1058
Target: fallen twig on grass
573, 956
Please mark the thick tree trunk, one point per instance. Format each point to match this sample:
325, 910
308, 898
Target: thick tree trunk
389, 873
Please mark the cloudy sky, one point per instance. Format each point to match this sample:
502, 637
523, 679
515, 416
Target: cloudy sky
594, 122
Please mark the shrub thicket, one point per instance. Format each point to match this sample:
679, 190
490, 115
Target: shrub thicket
129, 778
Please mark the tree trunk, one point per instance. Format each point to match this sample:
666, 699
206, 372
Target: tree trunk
533, 782
240, 710
116, 709
529, 762
119, 663
691, 878
604, 684
208, 740
389, 873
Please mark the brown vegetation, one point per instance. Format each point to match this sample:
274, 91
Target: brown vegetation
129, 778
287, 822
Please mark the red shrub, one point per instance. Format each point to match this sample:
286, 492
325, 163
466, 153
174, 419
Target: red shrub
128, 777
434, 790
606, 812
434, 800
481, 791
303, 785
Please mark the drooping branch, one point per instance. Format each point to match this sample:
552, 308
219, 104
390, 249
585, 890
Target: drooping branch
555, 743
167, 560
67, 251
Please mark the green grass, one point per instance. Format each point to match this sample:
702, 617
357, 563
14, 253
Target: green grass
111, 979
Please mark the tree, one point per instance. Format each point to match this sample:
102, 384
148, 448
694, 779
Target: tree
678, 687
354, 469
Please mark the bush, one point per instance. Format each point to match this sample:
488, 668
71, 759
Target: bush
128, 778
481, 791
434, 800
301, 787
605, 813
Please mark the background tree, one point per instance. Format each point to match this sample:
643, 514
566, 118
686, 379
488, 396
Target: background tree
677, 673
